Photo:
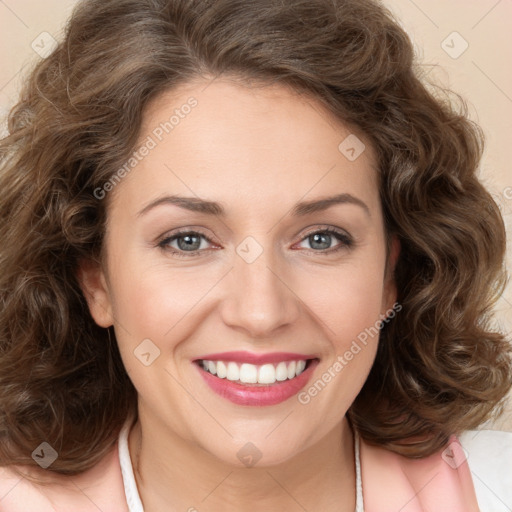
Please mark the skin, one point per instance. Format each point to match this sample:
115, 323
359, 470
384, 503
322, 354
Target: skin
258, 151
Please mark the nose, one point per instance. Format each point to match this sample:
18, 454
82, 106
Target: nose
259, 297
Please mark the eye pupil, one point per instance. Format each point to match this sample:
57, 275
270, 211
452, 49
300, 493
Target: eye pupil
317, 237
188, 242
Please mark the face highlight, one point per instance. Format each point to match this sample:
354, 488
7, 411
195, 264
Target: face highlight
244, 248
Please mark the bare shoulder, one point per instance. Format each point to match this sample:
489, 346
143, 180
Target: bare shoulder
489, 456
19, 494
98, 488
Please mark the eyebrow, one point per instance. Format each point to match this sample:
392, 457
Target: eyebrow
198, 205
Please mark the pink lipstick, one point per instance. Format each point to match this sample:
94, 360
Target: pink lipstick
247, 378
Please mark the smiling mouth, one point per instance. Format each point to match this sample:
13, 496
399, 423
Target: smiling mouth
255, 375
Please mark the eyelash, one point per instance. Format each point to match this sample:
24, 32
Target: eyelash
347, 242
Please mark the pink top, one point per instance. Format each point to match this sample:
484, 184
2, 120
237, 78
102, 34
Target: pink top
439, 483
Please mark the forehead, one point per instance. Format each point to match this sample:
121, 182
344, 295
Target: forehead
248, 145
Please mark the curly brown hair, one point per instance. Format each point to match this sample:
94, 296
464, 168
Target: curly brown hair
440, 367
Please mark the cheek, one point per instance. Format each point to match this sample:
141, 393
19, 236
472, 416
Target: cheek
349, 310
159, 306
150, 298
348, 300
357, 309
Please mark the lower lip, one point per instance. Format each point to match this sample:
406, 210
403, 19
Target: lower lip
243, 394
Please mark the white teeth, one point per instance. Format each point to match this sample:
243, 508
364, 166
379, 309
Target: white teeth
221, 370
212, 368
233, 372
252, 374
291, 369
248, 373
300, 367
281, 371
267, 374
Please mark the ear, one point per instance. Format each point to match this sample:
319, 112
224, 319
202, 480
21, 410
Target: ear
93, 283
390, 291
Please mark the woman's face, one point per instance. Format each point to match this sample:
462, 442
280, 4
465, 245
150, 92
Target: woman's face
263, 269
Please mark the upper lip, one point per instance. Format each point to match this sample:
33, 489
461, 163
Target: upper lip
241, 356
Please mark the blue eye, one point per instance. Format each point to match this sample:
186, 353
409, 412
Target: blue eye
325, 236
189, 242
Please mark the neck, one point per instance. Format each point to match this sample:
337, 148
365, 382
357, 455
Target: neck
171, 470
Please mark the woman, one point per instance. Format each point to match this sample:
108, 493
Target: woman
246, 265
